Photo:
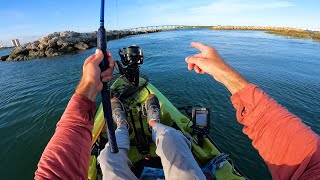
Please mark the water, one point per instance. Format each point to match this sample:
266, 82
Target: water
4, 52
34, 93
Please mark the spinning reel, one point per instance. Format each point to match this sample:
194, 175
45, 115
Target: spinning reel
131, 58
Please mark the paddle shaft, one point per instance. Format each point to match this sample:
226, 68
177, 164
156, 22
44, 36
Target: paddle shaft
105, 93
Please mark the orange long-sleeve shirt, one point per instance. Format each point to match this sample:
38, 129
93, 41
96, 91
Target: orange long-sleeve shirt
289, 147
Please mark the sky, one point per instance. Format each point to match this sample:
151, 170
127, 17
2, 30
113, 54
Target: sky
28, 20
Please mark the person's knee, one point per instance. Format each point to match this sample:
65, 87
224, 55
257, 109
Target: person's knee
106, 157
164, 130
173, 134
174, 140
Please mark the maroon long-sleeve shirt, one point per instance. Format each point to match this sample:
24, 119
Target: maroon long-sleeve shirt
67, 153
290, 148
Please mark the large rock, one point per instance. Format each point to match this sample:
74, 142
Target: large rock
67, 49
52, 43
92, 43
50, 52
35, 45
44, 40
56, 34
28, 45
81, 46
20, 51
42, 46
71, 40
19, 58
36, 54
61, 42
87, 36
16, 58
69, 34
4, 58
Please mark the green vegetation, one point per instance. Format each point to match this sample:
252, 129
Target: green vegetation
299, 34
283, 31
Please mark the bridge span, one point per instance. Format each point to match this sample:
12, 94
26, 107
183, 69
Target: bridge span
156, 28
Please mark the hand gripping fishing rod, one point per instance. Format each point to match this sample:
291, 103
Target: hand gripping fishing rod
105, 93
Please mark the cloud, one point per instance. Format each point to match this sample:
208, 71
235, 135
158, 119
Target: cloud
237, 6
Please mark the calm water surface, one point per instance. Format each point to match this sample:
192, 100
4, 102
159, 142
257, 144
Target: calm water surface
34, 93
5, 51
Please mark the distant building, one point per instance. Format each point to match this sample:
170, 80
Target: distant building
15, 43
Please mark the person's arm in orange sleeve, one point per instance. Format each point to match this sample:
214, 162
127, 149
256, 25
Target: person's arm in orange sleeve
67, 154
289, 147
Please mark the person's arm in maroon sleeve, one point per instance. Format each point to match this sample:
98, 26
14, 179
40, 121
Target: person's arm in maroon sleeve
289, 147
67, 154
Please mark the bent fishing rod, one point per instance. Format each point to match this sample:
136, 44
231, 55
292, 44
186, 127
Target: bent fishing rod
105, 93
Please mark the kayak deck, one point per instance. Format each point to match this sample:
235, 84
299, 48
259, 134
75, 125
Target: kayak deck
170, 116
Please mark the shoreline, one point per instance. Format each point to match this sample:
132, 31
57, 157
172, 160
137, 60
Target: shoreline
281, 31
66, 42
255, 28
3, 48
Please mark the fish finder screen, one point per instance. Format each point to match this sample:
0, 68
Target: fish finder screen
201, 119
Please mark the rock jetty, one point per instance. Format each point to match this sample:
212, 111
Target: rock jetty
60, 43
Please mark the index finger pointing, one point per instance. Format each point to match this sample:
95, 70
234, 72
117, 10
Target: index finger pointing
200, 46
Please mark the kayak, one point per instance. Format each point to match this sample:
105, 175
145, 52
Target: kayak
142, 148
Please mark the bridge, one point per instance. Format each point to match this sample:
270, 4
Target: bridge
157, 28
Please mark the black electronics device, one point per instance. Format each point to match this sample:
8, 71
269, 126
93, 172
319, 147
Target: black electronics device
201, 123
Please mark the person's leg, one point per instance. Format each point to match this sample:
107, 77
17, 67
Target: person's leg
173, 147
116, 166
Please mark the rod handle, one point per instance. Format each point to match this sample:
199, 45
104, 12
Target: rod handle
102, 45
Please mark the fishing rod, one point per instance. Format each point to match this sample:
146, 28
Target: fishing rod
105, 93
